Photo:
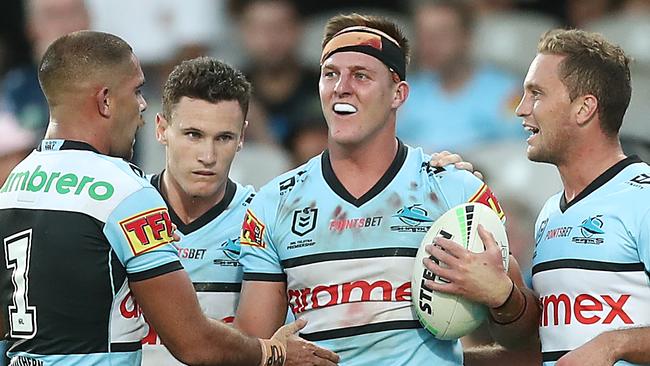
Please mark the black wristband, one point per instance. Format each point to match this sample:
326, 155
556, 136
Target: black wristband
518, 316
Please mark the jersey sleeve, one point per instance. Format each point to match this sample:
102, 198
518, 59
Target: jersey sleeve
643, 241
258, 255
460, 186
140, 232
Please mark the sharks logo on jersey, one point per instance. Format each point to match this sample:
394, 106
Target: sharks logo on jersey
415, 217
591, 231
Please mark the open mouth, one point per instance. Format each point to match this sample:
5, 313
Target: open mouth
344, 109
533, 130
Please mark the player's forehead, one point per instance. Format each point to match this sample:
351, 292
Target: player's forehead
353, 61
195, 113
543, 70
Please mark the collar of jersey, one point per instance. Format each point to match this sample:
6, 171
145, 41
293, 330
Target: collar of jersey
599, 182
55, 144
207, 217
335, 184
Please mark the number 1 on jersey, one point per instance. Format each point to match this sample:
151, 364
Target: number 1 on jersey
22, 316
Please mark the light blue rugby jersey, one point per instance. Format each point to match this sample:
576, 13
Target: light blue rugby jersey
209, 251
348, 262
592, 259
78, 226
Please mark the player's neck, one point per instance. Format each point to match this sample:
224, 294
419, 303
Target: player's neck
188, 208
360, 167
585, 165
69, 129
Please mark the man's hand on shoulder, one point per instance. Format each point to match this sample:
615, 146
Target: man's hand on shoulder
440, 159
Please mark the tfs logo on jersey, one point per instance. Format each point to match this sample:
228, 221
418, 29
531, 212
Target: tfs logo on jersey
590, 227
147, 230
586, 309
485, 196
252, 232
413, 216
304, 221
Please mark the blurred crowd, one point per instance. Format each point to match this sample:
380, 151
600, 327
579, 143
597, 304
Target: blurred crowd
466, 74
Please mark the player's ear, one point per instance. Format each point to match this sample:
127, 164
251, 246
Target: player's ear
401, 93
587, 108
161, 128
243, 134
103, 102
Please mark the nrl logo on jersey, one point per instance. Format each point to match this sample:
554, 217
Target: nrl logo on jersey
304, 221
590, 229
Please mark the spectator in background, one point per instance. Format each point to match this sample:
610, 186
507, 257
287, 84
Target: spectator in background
284, 90
307, 140
582, 12
454, 104
45, 21
15, 143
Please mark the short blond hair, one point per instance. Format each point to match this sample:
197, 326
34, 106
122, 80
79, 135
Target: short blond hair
592, 65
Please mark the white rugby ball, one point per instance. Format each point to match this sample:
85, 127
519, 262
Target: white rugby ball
451, 316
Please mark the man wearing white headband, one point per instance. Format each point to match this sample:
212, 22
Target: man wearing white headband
335, 239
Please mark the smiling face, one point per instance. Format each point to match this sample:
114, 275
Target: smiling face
359, 97
547, 111
201, 141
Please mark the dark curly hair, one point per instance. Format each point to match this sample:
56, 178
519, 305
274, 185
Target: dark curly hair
208, 79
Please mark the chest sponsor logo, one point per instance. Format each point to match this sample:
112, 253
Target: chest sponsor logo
362, 222
147, 230
60, 183
25, 361
192, 253
590, 229
415, 219
561, 309
321, 296
558, 232
304, 221
230, 249
252, 231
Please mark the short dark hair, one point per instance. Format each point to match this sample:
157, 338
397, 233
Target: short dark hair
78, 56
592, 65
342, 21
208, 79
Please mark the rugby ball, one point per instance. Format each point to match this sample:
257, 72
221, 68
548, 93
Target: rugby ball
449, 316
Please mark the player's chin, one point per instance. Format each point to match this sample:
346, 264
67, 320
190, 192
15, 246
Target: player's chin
203, 189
